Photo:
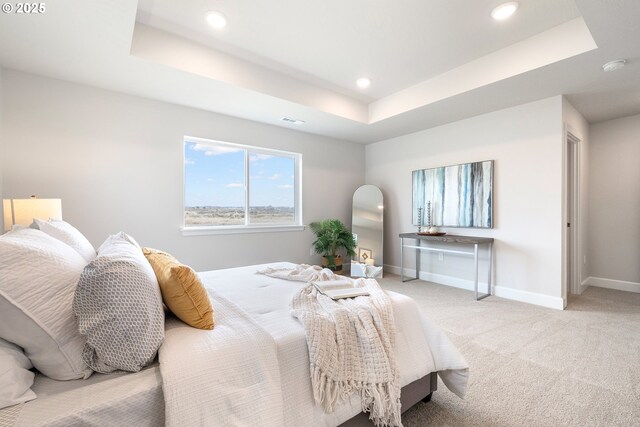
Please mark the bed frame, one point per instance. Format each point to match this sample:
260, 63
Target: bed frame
412, 393
419, 390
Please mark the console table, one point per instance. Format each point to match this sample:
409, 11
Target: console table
455, 241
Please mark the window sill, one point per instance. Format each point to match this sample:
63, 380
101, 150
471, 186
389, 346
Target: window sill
239, 229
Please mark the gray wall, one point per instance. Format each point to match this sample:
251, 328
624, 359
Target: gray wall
116, 162
614, 202
526, 144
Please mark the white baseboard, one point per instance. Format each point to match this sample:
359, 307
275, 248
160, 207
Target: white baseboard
529, 297
499, 291
619, 285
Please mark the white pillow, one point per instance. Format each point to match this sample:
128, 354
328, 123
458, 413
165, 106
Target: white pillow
38, 277
117, 243
15, 377
68, 234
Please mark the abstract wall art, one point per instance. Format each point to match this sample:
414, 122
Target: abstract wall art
460, 195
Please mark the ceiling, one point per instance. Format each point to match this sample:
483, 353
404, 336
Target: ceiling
335, 42
430, 62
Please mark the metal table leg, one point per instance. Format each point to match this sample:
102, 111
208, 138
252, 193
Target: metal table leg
475, 277
401, 256
478, 298
490, 266
402, 279
418, 258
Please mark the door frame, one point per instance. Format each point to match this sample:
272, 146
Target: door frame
571, 139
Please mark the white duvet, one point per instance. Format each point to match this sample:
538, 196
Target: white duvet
227, 376
253, 368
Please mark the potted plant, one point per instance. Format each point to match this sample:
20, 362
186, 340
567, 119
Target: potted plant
331, 236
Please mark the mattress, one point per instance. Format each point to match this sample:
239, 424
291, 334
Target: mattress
137, 399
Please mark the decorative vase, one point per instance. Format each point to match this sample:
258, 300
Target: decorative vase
337, 260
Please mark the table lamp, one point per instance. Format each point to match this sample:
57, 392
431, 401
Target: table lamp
23, 211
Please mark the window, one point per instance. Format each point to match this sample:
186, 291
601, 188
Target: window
232, 186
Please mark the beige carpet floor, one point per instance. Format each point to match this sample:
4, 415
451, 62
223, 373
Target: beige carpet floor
532, 366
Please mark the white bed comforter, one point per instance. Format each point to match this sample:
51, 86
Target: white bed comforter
227, 376
253, 368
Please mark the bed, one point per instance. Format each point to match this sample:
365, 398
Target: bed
422, 350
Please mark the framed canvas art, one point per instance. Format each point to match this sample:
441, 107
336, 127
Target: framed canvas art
458, 195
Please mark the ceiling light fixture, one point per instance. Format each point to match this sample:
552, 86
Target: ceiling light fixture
613, 65
504, 11
363, 83
217, 20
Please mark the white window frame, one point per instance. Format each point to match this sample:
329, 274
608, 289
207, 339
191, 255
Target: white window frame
246, 227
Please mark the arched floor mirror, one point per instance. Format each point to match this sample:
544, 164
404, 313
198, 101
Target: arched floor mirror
368, 227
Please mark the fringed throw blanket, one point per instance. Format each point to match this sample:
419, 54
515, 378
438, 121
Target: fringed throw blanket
351, 344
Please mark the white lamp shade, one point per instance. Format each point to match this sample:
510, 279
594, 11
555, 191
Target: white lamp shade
23, 211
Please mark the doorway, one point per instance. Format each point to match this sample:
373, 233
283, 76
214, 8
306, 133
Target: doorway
572, 226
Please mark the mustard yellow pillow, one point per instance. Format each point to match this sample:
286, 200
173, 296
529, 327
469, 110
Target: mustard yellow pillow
182, 291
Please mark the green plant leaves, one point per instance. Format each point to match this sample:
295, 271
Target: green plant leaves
331, 236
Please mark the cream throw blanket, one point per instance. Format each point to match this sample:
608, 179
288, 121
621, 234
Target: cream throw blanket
351, 344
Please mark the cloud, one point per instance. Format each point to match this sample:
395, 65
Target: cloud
215, 150
274, 176
285, 186
209, 179
234, 185
257, 157
188, 161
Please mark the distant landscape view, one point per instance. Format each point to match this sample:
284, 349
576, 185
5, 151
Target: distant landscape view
218, 176
215, 215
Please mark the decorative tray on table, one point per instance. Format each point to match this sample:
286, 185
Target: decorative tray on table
426, 233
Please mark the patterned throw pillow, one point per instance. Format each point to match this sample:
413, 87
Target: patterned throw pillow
119, 310
182, 290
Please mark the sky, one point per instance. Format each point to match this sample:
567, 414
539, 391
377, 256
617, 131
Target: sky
214, 176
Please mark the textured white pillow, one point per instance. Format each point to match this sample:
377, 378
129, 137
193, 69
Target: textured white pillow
15, 377
38, 277
117, 243
119, 308
68, 234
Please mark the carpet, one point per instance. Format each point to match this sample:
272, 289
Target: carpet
532, 366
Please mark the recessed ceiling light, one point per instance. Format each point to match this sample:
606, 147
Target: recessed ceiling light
217, 20
380, 207
613, 65
504, 11
363, 82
